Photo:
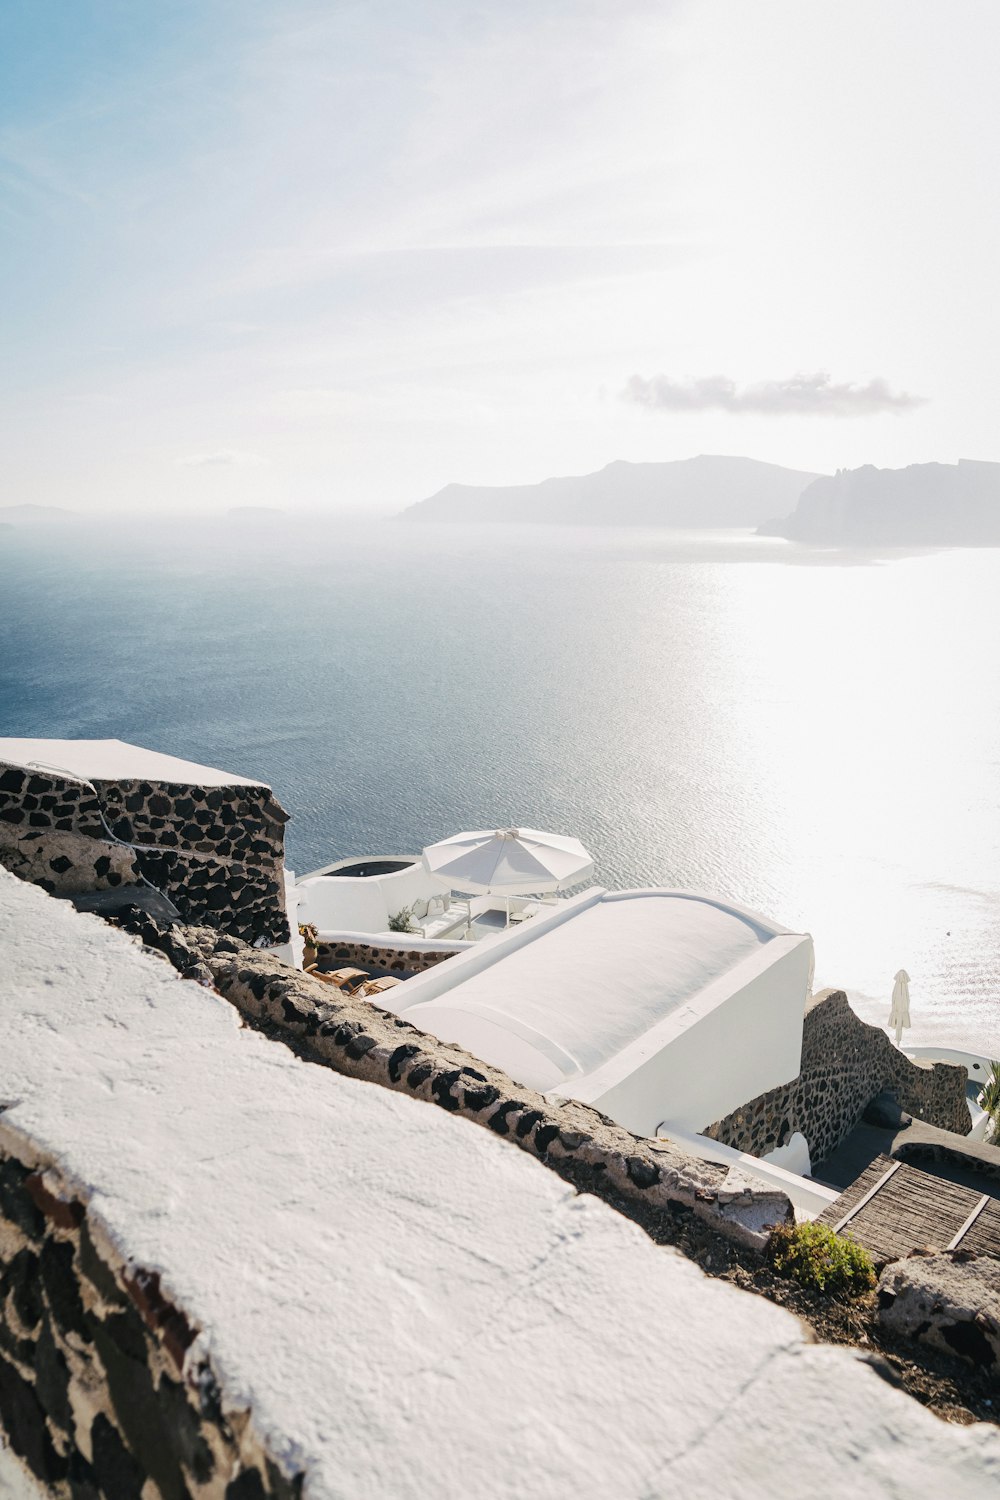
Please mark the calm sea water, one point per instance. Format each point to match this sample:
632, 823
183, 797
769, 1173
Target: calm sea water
814, 734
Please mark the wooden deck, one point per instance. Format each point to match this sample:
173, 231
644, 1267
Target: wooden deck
894, 1208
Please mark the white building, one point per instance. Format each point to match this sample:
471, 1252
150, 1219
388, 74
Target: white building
655, 1006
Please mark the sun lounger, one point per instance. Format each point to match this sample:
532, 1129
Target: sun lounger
376, 986
348, 980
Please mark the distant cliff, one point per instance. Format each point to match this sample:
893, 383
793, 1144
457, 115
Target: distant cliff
694, 492
37, 515
926, 505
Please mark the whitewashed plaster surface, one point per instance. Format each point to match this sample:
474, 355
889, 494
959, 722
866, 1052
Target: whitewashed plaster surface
113, 760
410, 1306
599, 981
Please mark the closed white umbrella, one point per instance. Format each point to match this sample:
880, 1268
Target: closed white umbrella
899, 1013
509, 861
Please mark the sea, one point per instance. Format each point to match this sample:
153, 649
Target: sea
813, 733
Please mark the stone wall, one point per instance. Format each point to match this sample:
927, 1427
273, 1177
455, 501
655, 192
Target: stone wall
396, 960
101, 1391
217, 852
212, 1252
845, 1064
357, 1038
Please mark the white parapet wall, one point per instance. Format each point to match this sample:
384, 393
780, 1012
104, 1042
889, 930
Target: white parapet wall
342, 903
379, 1298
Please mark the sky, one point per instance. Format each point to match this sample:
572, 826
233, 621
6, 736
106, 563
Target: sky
336, 256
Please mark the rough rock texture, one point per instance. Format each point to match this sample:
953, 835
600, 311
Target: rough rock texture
66, 863
950, 1300
845, 1064
217, 852
355, 1037
397, 960
97, 1393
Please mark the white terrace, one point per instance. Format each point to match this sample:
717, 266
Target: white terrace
362, 897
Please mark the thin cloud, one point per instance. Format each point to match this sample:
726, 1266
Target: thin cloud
803, 395
222, 458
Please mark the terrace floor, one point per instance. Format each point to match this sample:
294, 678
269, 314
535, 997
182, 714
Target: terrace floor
955, 1158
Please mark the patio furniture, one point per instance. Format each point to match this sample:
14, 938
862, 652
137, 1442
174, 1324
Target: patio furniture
376, 986
491, 917
348, 980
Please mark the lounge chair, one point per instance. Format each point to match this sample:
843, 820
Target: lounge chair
376, 986
347, 980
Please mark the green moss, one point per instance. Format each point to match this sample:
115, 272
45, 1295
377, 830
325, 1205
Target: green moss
815, 1257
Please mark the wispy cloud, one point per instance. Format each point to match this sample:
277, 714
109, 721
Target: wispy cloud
221, 458
802, 395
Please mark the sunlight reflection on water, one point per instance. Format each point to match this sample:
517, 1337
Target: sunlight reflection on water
814, 734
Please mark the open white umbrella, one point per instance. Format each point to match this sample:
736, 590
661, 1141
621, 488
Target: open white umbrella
899, 1013
509, 861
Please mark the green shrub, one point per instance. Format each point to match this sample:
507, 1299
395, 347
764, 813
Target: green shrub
400, 920
989, 1099
815, 1257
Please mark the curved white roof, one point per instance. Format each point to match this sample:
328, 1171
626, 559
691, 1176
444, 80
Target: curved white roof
580, 992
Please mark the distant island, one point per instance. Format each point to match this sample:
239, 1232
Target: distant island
925, 505
37, 515
699, 492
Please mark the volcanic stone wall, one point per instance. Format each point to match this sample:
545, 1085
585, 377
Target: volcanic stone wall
216, 851
396, 960
356, 1037
103, 1392
845, 1064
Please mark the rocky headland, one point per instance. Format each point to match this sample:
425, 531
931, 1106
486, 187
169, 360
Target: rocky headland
924, 505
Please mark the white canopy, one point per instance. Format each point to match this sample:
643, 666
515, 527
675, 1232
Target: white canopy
509, 861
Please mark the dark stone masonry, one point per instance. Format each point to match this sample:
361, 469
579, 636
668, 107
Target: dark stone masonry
396, 960
101, 1393
353, 1036
216, 852
845, 1064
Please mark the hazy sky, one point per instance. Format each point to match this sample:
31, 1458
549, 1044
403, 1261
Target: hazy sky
341, 254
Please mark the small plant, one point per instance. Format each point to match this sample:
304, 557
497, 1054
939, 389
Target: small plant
310, 939
815, 1257
400, 921
989, 1099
